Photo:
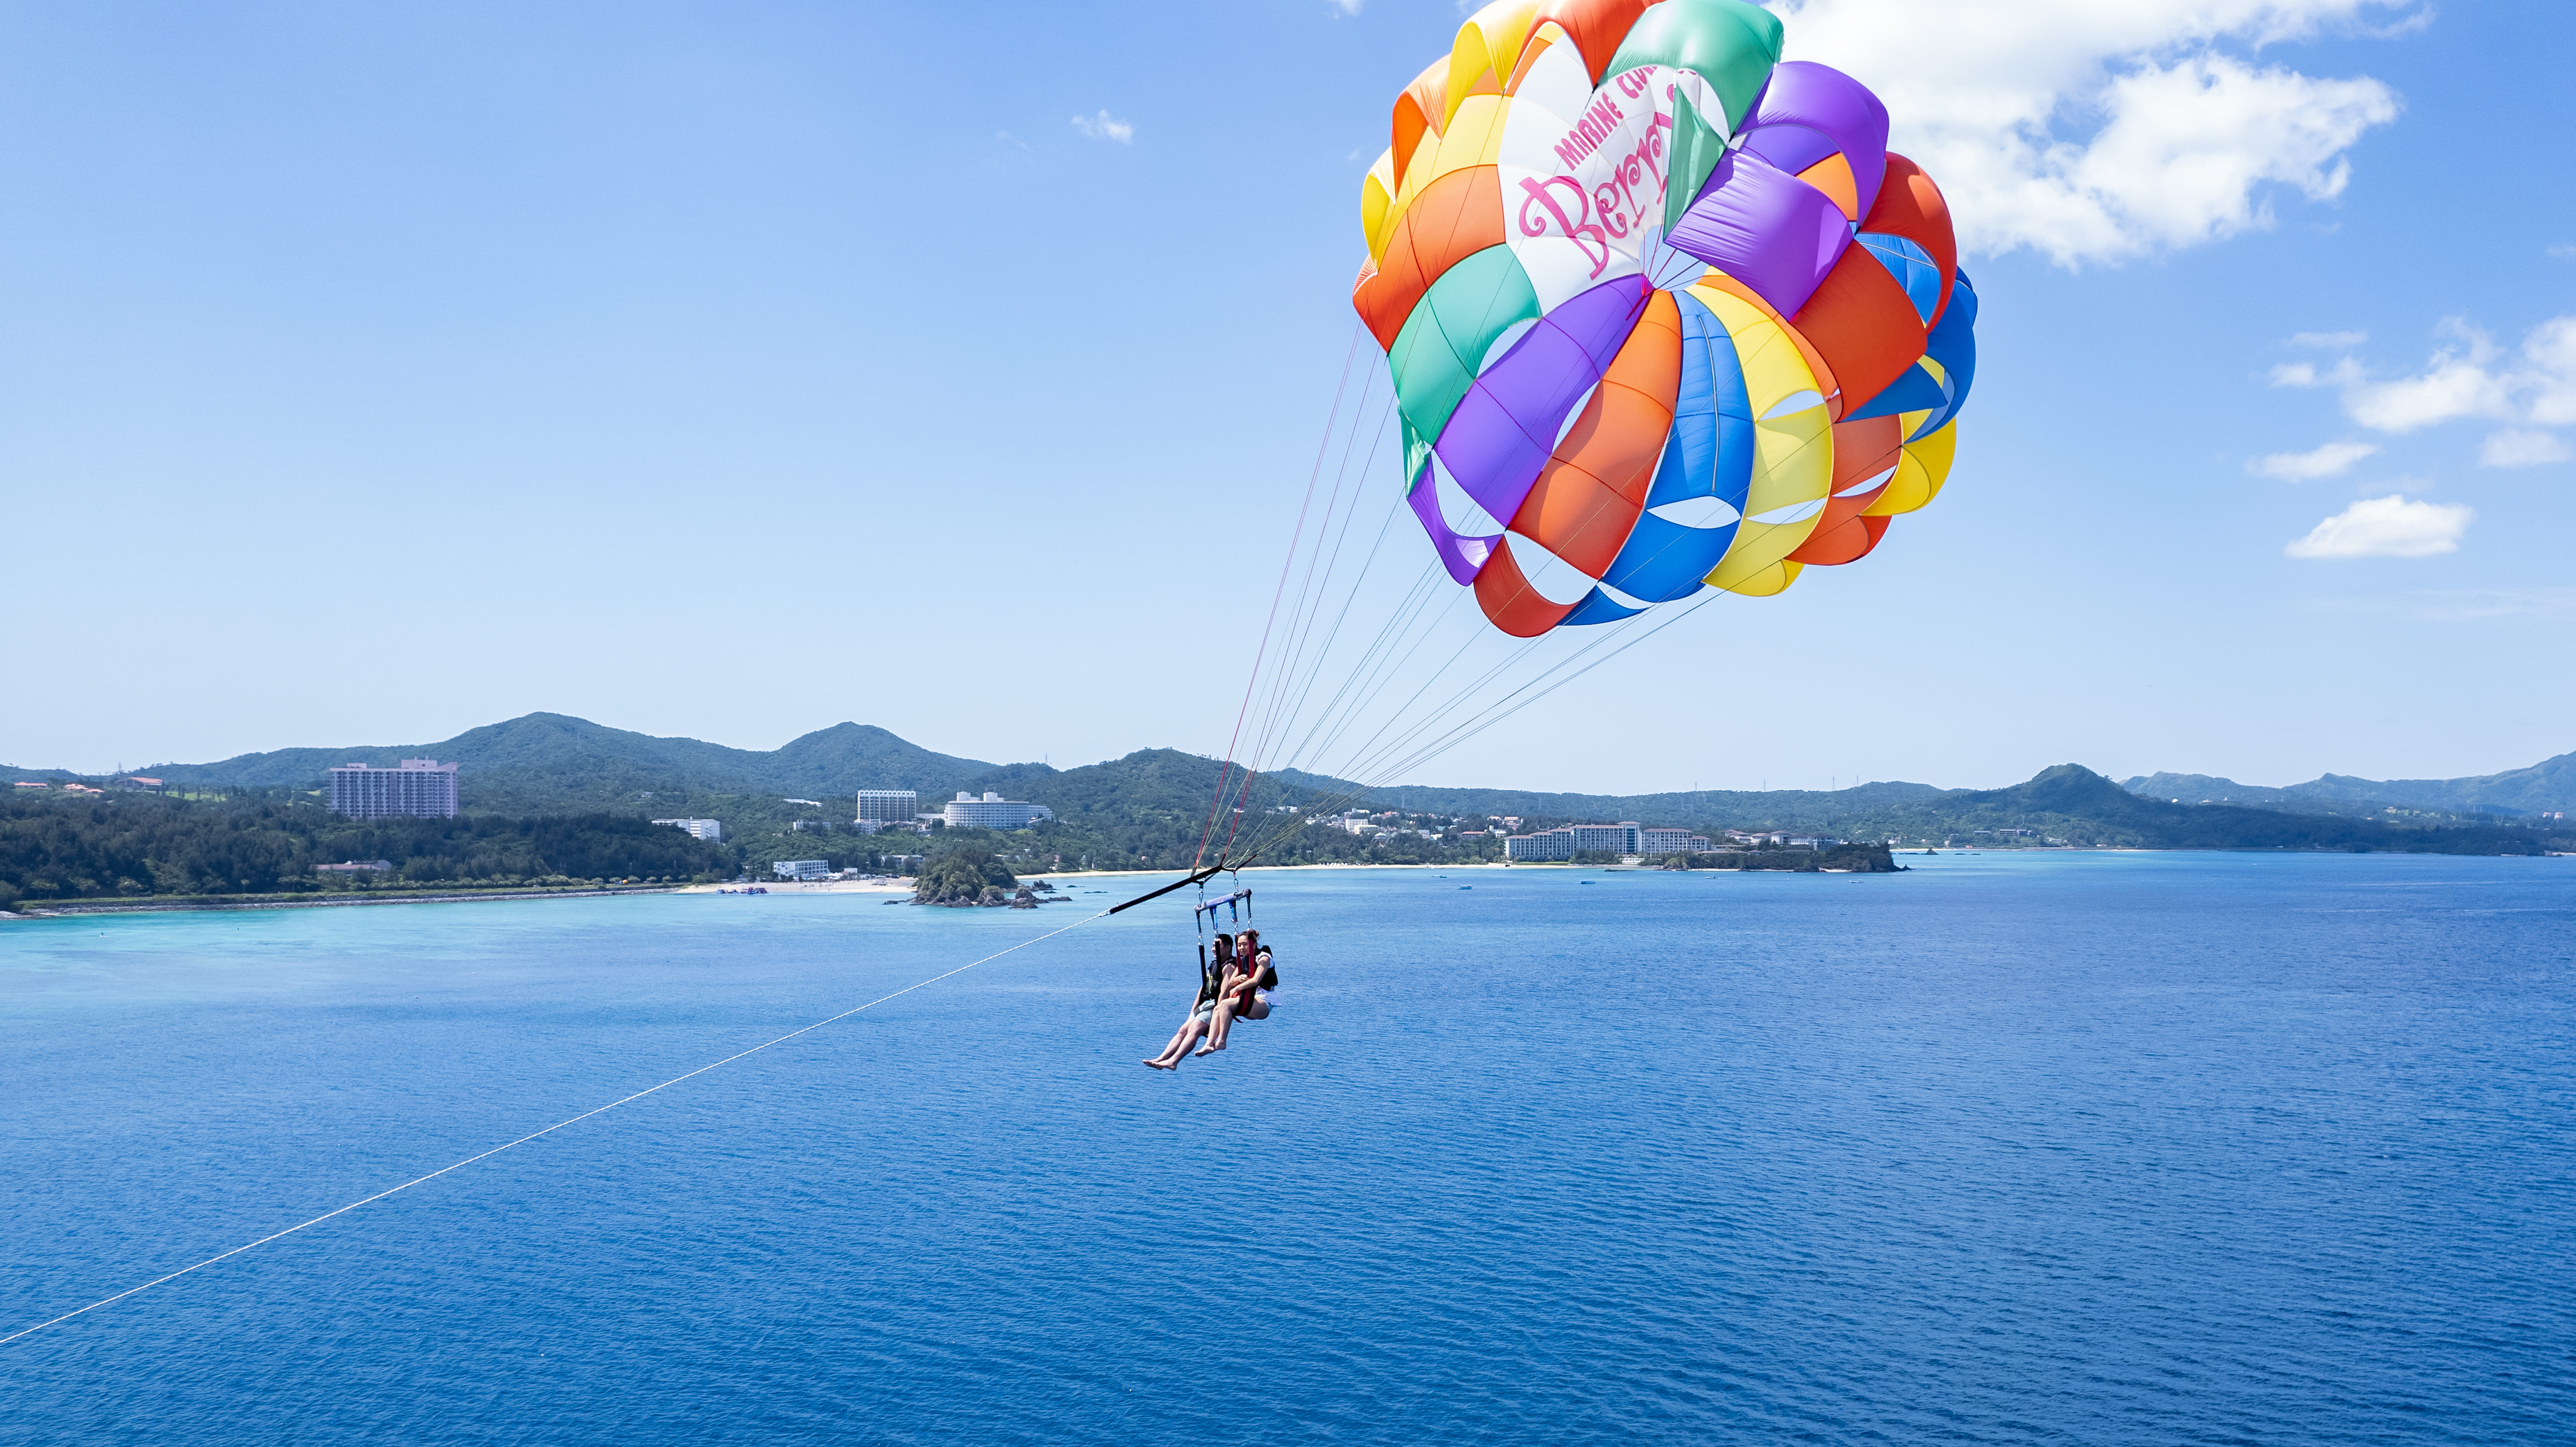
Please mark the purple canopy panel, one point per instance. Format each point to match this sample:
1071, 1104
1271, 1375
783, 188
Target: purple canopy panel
1764, 227
1505, 427
1810, 111
1464, 556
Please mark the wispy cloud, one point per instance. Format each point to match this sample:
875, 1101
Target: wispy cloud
2522, 447
2467, 376
2386, 527
2562, 253
2462, 605
2332, 460
1105, 127
2329, 341
2094, 133
2469, 605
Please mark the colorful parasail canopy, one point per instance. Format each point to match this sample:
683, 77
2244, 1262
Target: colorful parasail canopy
1662, 310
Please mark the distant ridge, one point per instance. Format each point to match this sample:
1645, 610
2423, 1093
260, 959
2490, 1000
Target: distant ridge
545, 763
2545, 787
546, 756
1697, 806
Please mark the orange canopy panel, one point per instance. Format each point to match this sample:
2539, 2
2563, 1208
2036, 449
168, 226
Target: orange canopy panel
1457, 216
1909, 205
1596, 26
1841, 538
1587, 497
1866, 448
1865, 325
1423, 107
1510, 603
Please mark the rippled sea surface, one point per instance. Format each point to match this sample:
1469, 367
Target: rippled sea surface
2042, 1148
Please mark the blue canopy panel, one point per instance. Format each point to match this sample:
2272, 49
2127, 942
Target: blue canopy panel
1663, 560
1710, 451
1953, 344
1914, 391
1597, 607
1911, 265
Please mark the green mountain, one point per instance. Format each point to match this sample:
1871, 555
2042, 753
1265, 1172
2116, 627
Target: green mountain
2545, 787
549, 762
2067, 803
1695, 809
1151, 808
2073, 804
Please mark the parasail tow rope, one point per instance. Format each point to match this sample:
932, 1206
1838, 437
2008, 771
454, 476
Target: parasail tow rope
549, 1130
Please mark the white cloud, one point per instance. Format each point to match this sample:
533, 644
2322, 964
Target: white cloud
2457, 382
2093, 131
2522, 447
2386, 527
2550, 357
2460, 605
1105, 127
2329, 341
2562, 253
2345, 372
2469, 605
2468, 377
2332, 460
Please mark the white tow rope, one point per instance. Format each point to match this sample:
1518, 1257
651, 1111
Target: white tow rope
532, 1135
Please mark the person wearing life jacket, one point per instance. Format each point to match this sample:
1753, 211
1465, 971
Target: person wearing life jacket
1239, 992
1213, 974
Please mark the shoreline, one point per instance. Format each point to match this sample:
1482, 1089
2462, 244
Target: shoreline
58, 909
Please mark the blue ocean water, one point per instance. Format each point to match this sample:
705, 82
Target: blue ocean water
2087, 1148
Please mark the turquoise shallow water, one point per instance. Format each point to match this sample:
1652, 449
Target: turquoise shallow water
2040, 1148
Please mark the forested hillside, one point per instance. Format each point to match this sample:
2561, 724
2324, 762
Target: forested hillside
551, 796
548, 763
2073, 805
137, 845
2547, 787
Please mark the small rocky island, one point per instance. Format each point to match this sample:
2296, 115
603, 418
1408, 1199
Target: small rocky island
969, 878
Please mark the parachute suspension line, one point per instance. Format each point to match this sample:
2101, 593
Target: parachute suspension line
549, 1130
1362, 735
1367, 772
1469, 728
1287, 676
1306, 689
1293, 685
1302, 617
1239, 789
1362, 769
1328, 719
1472, 727
1350, 355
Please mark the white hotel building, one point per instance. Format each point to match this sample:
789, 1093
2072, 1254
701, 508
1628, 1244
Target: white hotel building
420, 789
1624, 837
993, 812
884, 808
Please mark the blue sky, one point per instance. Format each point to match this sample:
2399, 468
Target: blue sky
376, 372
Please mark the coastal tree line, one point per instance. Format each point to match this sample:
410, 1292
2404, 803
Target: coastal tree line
268, 842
